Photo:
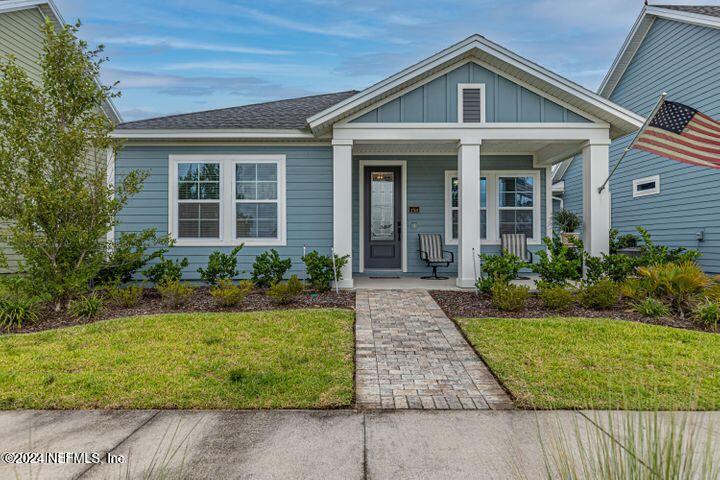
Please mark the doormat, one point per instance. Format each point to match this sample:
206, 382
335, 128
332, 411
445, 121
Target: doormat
384, 278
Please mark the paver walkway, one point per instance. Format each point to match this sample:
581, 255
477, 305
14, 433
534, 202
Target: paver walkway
410, 355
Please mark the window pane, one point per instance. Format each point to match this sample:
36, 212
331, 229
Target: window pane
483, 192
188, 191
199, 220
209, 191
382, 206
209, 211
507, 199
256, 220
188, 172
267, 191
189, 211
246, 191
454, 192
524, 184
507, 184
209, 229
524, 199
188, 229
246, 172
517, 221
267, 172
483, 224
209, 172
455, 224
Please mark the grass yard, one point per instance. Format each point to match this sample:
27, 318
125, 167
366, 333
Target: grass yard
272, 359
600, 363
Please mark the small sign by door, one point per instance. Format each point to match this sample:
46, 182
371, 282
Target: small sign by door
413, 209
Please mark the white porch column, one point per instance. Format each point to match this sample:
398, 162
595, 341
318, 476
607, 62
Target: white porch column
469, 212
596, 206
342, 205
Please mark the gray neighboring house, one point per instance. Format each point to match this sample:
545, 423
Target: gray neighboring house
676, 49
21, 36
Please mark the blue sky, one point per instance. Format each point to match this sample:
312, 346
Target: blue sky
174, 56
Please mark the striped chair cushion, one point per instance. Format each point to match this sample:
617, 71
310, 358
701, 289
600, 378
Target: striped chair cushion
515, 244
431, 247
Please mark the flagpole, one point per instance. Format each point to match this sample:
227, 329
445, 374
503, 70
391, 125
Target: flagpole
637, 134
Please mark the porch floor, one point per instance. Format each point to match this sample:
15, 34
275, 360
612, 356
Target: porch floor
416, 283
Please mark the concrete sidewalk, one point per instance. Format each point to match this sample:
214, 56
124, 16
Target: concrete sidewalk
342, 444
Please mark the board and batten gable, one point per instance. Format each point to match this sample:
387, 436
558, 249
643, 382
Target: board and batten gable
309, 187
21, 37
682, 60
437, 101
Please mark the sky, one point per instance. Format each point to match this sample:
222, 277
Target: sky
177, 56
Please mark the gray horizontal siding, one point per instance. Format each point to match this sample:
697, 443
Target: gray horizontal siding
309, 201
437, 101
426, 189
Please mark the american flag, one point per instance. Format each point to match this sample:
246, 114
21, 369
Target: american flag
682, 133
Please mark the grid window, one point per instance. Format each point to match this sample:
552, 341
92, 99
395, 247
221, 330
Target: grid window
256, 200
198, 200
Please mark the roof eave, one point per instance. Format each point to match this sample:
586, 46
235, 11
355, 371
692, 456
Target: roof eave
212, 134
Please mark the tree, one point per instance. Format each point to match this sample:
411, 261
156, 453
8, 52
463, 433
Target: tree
54, 143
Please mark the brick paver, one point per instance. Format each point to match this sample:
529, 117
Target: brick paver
410, 355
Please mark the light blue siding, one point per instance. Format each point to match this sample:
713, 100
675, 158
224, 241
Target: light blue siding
573, 196
680, 59
309, 200
426, 189
436, 101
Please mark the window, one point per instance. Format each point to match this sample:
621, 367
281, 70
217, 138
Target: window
471, 103
516, 205
646, 186
509, 203
227, 200
198, 200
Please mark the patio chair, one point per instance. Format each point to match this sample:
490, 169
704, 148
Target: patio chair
516, 244
433, 255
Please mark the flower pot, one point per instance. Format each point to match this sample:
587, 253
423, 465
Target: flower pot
569, 237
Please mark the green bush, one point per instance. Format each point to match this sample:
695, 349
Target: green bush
555, 297
651, 307
677, 284
652, 254
165, 270
618, 241
124, 296
567, 221
707, 313
600, 296
129, 254
284, 292
509, 297
615, 266
175, 293
269, 269
319, 269
16, 311
227, 294
498, 269
559, 264
88, 306
221, 266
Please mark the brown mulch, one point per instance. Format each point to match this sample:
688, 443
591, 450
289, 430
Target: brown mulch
458, 304
201, 301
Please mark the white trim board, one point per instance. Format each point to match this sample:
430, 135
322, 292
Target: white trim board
210, 133
644, 193
461, 103
361, 209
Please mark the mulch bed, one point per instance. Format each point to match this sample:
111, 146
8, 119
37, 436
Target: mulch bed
458, 304
201, 301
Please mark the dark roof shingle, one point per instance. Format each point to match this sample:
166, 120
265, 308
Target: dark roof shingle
291, 113
711, 10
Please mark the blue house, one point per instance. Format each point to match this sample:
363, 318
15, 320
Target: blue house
673, 49
460, 144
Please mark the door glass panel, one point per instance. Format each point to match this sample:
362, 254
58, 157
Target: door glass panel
382, 206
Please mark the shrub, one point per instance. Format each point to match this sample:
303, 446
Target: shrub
635, 288
88, 306
129, 254
18, 311
555, 297
707, 313
165, 270
618, 241
652, 254
600, 296
498, 269
221, 266
567, 221
508, 297
126, 297
227, 294
174, 293
677, 284
651, 307
269, 269
615, 266
284, 292
559, 264
320, 269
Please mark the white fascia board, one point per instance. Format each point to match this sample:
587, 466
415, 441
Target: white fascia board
558, 187
457, 51
190, 134
687, 17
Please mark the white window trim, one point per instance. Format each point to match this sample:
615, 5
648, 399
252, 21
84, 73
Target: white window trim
644, 193
483, 105
227, 200
493, 203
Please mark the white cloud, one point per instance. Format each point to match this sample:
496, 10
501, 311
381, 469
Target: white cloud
169, 42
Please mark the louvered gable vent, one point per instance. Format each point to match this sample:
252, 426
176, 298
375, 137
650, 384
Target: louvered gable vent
472, 100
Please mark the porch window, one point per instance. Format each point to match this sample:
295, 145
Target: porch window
516, 205
226, 200
452, 214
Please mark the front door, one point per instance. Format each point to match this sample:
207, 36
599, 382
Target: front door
383, 217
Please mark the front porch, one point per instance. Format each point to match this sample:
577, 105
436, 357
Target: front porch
469, 189
416, 283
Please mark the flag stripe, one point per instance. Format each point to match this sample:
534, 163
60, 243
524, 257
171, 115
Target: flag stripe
699, 131
698, 137
683, 140
704, 126
711, 122
674, 156
680, 149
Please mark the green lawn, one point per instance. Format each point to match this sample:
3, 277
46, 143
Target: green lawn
600, 363
275, 359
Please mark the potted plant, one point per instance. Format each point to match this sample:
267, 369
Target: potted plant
568, 222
